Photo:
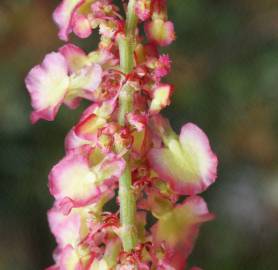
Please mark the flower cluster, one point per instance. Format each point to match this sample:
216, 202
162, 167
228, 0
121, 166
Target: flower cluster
122, 150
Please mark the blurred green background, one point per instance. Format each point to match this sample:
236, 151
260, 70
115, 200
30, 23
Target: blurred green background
225, 69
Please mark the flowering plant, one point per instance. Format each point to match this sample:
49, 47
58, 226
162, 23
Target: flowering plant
122, 148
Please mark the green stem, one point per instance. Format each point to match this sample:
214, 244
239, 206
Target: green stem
125, 103
131, 18
127, 211
126, 46
126, 195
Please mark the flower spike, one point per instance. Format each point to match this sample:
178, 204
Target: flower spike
121, 151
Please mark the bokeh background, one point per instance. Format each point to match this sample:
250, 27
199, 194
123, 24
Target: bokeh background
225, 69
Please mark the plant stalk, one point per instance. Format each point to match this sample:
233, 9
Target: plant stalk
126, 195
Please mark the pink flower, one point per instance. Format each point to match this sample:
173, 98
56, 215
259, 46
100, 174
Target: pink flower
67, 228
60, 79
47, 85
68, 258
82, 16
187, 162
87, 131
68, 19
75, 183
178, 229
160, 32
188, 215
76, 58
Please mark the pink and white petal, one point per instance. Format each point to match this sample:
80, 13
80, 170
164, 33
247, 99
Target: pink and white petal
89, 110
102, 57
46, 114
160, 32
166, 165
189, 165
65, 228
111, 168
93, 75
81, 25
75, 57
70, 259
87, 129
103, 110
195, 142
197, 207
179, 228
99, 264
63, 17
74, 143
86, 81
72, 178
107, 107
108, 29
47, 84
161, 98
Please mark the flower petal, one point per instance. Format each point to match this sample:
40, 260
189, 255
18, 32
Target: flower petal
74, 143
47, 84
111, 168
81, 26
179, 228
99, 265
75, 57
69, 259
193, 139
189, 165
63, 16
65, 228
74, 183
160, 32
72, 178
88, 128
161, 98
84, 82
